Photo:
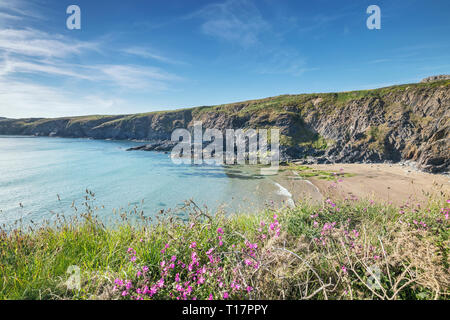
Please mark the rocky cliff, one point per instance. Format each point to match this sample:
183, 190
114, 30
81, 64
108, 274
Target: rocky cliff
406, 122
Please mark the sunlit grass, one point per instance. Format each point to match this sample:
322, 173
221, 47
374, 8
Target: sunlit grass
310, 251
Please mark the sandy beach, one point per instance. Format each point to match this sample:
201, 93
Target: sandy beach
379, 182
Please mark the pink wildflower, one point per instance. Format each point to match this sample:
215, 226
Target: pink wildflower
248, 262
153, 290
201, 280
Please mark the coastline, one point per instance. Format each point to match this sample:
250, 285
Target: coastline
313, 229
397, 183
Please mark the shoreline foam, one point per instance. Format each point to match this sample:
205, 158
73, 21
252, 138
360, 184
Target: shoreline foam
282, 191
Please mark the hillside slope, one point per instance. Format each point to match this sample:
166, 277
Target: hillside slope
406, 122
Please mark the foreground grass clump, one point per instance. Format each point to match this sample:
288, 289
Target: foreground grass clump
347, 250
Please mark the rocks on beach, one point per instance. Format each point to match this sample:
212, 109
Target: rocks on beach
162, 146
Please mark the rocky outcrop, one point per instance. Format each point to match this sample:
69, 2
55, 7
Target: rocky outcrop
164, 146
407, 122
436, 78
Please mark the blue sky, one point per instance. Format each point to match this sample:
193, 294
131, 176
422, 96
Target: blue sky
138, 56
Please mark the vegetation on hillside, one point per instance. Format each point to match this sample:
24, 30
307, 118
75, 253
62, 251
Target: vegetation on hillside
271, 104
354, 249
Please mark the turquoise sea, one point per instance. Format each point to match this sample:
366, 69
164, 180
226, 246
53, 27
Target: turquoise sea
35, 171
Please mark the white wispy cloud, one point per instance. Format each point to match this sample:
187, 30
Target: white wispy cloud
38, 76
382, 60
35, 43
13, 66
6, 16
21, 9
241, 22
20, 99
136, 77
237, 21
319, 21
121, 76
285, 61
33, 51
149, 54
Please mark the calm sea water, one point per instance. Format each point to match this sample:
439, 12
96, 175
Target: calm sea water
35, 170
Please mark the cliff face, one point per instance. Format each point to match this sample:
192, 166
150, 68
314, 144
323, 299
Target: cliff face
408, 122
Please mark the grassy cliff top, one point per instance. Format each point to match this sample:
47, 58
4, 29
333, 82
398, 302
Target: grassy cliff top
335, 98
271, 104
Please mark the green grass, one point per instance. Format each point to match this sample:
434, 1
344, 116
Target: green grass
303, 101
297, 265
308, 172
